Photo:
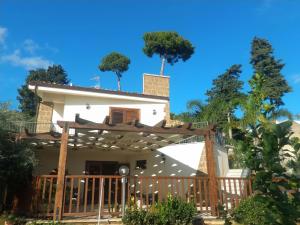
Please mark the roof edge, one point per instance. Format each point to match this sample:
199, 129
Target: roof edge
94, 90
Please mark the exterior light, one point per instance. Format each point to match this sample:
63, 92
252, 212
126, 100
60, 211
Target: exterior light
123, 170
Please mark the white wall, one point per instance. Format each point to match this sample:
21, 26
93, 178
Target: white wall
180, 160
99, 109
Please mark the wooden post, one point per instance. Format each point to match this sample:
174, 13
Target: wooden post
58, 205
211, 171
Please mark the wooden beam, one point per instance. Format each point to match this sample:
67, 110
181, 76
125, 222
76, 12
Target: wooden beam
211, 171
138, 128
59, 195
42, 136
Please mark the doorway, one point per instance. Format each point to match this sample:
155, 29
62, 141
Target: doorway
108, 168
105, 168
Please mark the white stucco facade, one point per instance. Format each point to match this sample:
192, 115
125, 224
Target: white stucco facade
172, 160
95, 106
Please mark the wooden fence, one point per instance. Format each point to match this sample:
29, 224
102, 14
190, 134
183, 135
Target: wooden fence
82, 193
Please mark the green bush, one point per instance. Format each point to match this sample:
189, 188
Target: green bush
257, 210
174, 211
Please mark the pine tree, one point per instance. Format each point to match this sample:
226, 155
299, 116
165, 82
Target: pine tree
265, 64
224, 97
28, 100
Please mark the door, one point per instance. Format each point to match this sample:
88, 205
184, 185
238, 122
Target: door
106, 168
123, 115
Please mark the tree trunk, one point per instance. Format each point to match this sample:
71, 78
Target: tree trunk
163, 62
119, 83
229, 128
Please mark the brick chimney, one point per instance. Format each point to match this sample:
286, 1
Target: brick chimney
157, 85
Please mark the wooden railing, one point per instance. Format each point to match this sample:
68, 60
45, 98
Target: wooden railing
82, 193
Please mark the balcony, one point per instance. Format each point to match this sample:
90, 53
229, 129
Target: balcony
30, 127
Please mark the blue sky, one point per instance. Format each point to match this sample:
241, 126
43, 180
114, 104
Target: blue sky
77, 34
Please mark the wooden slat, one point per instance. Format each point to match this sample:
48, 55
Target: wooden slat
182, 188
109, 194
64, 195
219, 184
138, 128
128, 192
200, 194
188, 190
250, 185
78, 195
50, 195
103, 192
44, 188
85, 194
235, 199
245, 188
71, 195
116, 194
194, 187
93, 194
225, 193
172, 186
141, 193
147, 192
153, 190
206, 194
134, 189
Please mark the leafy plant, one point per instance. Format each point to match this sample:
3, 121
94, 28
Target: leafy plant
266, 147
174, 211
257, 210
17, 161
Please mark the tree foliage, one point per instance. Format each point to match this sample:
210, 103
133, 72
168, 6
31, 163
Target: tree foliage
170, 46
28, 100
265, 64
117, 63
224, 97
268, 150
17, 160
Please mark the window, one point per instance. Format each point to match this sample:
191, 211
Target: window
123, 115
141, 164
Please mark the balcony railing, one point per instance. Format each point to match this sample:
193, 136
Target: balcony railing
31, 127
82, 193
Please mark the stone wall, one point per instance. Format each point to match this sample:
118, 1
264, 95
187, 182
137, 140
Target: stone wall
156, 85
160, 86
44, 117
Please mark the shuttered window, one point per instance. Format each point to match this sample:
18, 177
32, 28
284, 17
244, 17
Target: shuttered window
124, 115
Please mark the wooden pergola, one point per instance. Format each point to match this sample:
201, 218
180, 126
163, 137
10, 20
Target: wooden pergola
134, 136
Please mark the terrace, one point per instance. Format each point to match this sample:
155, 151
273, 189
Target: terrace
61, 195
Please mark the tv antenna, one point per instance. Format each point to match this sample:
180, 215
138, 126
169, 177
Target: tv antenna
97, 81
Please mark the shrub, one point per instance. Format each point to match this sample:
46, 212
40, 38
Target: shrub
174, 211
257, 210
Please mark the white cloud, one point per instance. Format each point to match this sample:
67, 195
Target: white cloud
3, 34
30, 46
30, 62
296, 78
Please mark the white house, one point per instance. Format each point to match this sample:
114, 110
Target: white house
63, 102
104, 130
